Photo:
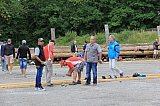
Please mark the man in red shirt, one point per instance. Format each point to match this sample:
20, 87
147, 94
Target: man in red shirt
48, 52
75, 65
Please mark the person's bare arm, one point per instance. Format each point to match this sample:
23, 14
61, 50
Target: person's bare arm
70, 70
85, 55
100, 57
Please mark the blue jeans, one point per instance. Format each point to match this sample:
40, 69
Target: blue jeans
92, 66
39, 76
4, 64
23, 63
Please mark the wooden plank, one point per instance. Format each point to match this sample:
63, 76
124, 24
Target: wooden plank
107, 34
158, 30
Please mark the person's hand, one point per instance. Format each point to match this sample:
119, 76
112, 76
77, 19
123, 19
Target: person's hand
84, 61
17, 60
100, 61
51, 62
29, 60
116, 58
42, 63
2, 58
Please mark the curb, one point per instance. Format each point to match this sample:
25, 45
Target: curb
59, 82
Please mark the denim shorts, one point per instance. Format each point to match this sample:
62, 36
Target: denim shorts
23, 63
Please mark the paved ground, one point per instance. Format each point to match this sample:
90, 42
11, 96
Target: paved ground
126, 93
142, 67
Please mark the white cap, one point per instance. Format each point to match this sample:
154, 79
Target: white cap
23, 41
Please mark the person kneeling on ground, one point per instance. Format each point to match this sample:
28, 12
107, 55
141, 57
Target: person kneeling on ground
75, 65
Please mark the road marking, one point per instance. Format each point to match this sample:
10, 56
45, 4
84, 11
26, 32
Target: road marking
59, 82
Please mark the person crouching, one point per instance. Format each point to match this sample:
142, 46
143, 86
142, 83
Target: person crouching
75, 65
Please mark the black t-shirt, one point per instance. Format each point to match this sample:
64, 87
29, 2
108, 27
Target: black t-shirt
155, 45
22, 52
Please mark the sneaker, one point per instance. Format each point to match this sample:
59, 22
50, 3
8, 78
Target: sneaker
10, 73
121, 75
78, 82
51, 85
95, 84
73, 83
68, 75
36, 88
7, 71
113, 77
103, 77
24, 77
41, 89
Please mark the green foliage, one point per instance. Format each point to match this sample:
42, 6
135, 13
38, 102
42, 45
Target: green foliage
124, 37
31, 19
71, 35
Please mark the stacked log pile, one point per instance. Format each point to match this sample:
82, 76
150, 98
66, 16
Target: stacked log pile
126, 50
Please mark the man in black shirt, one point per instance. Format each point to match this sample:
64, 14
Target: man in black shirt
9, 50
40, 63
84, 47
22, 54
74, 49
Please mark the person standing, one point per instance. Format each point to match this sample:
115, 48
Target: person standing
92, 51
74, 49
84, 47
40, 63
48, 52
3, 60
113, 53
155, 46
22, 54
9, 50
75, 65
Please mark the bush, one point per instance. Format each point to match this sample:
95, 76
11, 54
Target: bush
124, 37
71, 35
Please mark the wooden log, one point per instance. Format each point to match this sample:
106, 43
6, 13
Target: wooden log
126, 50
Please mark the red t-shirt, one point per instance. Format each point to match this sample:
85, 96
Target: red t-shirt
47, 49
73, 61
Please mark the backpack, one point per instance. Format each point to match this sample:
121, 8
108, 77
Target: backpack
135, 74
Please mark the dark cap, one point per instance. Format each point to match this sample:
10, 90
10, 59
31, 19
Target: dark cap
51, 41
5, 41
40, 39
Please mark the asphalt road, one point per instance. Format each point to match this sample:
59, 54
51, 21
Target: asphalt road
126, 93
142, 67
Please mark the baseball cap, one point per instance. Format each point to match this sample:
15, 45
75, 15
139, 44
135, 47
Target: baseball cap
23, 41
9, 40
62, 63
5, 41
52, 41
40, 39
